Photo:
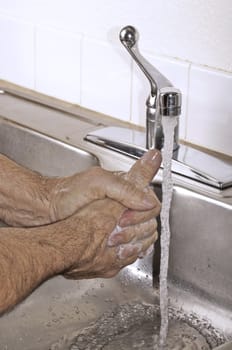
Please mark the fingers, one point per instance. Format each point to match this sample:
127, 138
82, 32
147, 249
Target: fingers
130, 217
114, 259
125, 244
134, 233
129, 189
133, 217
128, 245
126, 193
143, 171
141, 174
128, 253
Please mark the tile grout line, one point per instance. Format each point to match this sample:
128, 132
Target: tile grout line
81, 66
34, 55
131, 89
187, 102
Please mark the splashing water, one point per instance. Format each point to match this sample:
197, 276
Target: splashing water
136, 326
169, 124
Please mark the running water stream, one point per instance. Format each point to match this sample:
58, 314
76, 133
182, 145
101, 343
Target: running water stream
169, 124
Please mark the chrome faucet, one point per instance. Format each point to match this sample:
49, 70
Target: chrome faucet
163, 100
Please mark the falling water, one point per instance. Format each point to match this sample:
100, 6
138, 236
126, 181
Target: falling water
169, 124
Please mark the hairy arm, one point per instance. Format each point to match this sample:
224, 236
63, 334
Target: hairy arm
25, 262
30, 256
24, 195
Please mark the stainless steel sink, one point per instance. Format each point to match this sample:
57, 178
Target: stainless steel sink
200, 276
42, 153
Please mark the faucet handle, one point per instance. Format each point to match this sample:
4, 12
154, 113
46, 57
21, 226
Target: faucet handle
129, 37
170, 102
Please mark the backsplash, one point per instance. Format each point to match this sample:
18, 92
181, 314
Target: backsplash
72, 52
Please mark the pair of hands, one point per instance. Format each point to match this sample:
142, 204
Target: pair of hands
109, 224
87, 225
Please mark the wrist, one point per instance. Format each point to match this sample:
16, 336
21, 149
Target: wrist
64, 195
26, 260
52, 191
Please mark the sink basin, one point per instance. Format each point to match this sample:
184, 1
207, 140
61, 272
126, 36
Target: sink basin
42, 153
200, 278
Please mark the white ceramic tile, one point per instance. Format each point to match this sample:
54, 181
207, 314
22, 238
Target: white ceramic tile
106, 79
198, 31
210, 109
16, 57
175, 71
58, 64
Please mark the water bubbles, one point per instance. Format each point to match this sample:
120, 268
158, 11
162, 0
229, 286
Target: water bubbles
136, 326
76, 310
169, 124
109, 300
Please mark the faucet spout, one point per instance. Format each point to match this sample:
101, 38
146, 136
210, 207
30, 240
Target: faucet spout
163, 100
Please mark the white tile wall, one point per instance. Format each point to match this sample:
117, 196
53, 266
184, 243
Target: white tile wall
106, 79
210, 109
58, 64
191, 30
73, 53
17, 52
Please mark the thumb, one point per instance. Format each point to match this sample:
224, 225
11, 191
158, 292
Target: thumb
144, 169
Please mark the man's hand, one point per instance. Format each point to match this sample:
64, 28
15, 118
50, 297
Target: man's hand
108, 249
69, 194
126, 242
29, 199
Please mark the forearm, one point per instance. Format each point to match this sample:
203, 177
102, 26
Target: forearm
24, 195
27, 258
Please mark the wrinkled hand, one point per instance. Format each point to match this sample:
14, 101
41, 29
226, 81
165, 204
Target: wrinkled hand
28, 199
70, 194
110, 244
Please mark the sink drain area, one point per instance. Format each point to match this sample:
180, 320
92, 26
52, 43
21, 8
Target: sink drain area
136, 326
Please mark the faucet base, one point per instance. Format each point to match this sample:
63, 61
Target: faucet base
187, 161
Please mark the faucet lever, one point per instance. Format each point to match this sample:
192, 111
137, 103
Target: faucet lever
129, 37
164, 99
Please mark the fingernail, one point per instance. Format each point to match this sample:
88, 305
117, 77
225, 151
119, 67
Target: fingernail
147, 252
149, 201
150, 250
124, 222
112, 237
152, 156
125, 219
129, 249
